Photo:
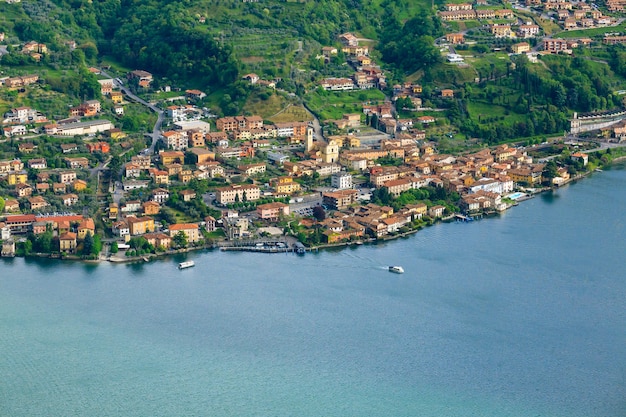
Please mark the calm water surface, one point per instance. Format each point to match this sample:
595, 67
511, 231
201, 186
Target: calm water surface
520, 315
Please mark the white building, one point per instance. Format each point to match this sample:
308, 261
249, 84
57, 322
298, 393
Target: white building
487, 184
204, 127
341, 180
134, 184
80, 128
175, 139
454, 58
277, 158
17, 130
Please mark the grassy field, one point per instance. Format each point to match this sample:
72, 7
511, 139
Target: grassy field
266, 108
332, 105
591, 33
293, 113
48, 102
216, 234
450, 75
411, 8
480, 111
484, 64
116, 67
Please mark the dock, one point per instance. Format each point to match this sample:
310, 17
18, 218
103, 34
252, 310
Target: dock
263, 246
463, 218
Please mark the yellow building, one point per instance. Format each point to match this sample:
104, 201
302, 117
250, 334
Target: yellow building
113, 211
116, 134
161, 177
520, 48
171, 157
151, 208
67, 242
190, 230
330, 151
79, 185
17, 178
87, 225
140, 225
286, 185
524, 175
117, 97
185, 176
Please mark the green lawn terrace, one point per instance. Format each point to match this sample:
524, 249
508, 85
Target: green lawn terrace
331, 105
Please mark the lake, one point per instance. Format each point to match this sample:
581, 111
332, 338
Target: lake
523, 314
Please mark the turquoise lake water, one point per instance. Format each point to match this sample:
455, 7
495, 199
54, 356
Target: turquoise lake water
519, 315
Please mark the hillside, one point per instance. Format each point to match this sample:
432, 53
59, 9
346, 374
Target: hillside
210, 45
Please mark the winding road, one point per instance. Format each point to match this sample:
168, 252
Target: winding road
156, 130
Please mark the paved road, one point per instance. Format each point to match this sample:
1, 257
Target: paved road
156, 130
318, 133
603, 146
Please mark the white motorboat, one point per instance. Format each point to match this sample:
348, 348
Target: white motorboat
187, 264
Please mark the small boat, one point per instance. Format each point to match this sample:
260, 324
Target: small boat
396, 269
187, 264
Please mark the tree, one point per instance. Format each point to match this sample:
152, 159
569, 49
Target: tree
180, 239
88, 244
114, 247
2, 202
319, 213
45, 242
97, 245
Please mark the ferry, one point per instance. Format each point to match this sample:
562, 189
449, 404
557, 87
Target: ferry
187, 264
396, 269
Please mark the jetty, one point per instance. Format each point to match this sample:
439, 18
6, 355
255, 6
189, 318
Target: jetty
463, 218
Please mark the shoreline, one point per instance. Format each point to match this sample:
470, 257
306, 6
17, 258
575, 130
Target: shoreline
152, 256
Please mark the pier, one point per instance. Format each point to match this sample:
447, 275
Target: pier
264, 246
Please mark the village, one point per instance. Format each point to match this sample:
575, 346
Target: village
204, 180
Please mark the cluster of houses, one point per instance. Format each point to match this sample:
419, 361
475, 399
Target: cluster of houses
368, 75
616, 5
482, 179
20, 81
581, 17
524, 31
68, 229
475, 11
250, 133
35, 49
63, 183
15, 120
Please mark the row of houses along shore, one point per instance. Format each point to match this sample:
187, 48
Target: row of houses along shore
481, 179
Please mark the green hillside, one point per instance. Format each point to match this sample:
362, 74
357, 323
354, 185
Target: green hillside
210, 45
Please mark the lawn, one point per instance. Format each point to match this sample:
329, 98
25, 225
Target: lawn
591, 33
292, 113
116, 66
410, 9
218, 233
484, 63
479, 111
47, 101
266, 108
180, 216
333, 105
